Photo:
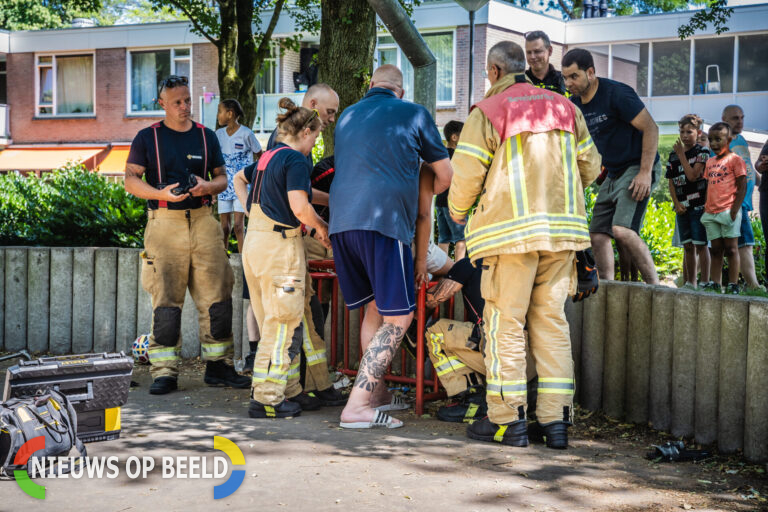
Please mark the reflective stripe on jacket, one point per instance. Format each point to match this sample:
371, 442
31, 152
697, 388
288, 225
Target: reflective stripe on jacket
527, 154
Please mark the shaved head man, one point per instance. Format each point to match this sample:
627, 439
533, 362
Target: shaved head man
380, 143
734, 116
323, 98
388, 77
320, 97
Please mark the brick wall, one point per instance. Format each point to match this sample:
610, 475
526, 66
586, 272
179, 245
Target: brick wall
289, 63
110, 123
205, 72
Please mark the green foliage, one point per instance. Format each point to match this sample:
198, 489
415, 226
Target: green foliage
661, 192
135, 11
37, 14
658, 230
69, 207
716, 13
318, 150
667, 69
760, 248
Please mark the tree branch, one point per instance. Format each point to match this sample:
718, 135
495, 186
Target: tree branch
263, 49
565, 8
193, 20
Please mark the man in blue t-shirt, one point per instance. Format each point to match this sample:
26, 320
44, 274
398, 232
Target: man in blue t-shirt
627, 138
379, 144
734, 116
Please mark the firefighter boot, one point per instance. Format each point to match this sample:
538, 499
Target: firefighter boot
511, 434
163, 385
469, 407
555, 433
219, 373
308, 401
285, 409
331, 397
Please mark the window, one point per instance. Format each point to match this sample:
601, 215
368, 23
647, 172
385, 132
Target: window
64, 85
671, 68
753, 72
3, 83
147, 68
266, 81
442, 45
630, 66
713, 65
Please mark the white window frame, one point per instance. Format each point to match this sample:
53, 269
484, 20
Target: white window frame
400, 57
693, 40
52, 65
275, 53
128, 60
4, 72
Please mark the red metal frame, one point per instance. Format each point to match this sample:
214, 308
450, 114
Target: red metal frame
324, 270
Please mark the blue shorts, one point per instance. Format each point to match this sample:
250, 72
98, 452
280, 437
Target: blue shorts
690, 227
747, 236
447, 230
371, 266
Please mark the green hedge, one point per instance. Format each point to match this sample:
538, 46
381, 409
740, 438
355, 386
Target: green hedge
69, 207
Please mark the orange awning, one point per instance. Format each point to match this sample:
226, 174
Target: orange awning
115, 161
45, 159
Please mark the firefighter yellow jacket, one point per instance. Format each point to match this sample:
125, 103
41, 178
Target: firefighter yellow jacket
527, 154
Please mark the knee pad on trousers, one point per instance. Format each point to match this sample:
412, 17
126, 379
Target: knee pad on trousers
167, 325
221, 319
296, 342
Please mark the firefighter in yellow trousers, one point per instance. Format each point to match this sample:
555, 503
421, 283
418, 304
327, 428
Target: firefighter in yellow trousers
177, 165
527, 154
274, 257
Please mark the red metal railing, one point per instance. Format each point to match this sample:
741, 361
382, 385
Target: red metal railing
324, 270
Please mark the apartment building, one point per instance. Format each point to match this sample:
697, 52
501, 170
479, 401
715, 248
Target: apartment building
83, 93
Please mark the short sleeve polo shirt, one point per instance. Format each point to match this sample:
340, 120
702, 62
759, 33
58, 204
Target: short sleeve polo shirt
379, 144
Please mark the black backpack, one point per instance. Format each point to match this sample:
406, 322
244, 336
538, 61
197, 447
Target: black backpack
49, 415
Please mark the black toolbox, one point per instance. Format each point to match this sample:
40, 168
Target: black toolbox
96, 384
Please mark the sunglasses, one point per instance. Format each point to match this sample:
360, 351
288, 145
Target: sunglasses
174, 81
311, 118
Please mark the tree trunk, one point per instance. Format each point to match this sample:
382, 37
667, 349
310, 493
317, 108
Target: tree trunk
345, 60
229, 81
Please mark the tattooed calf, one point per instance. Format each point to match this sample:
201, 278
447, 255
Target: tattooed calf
380, 352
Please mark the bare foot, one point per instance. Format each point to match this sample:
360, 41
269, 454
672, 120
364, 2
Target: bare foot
354, 415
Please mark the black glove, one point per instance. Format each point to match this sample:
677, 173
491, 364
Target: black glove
588, 276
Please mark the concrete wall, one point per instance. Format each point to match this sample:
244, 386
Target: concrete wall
692, 364
64, 300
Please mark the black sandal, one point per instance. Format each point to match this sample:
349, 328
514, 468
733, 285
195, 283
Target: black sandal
675, 451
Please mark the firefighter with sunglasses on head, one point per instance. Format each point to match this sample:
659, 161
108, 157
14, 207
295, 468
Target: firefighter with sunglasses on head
274, 261
177, 166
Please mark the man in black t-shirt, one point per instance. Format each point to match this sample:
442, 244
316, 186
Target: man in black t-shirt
627, 138
183, 166
538, 50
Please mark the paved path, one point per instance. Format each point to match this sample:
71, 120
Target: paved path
308, 463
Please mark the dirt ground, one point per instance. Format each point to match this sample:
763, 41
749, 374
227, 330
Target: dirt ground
308, 462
